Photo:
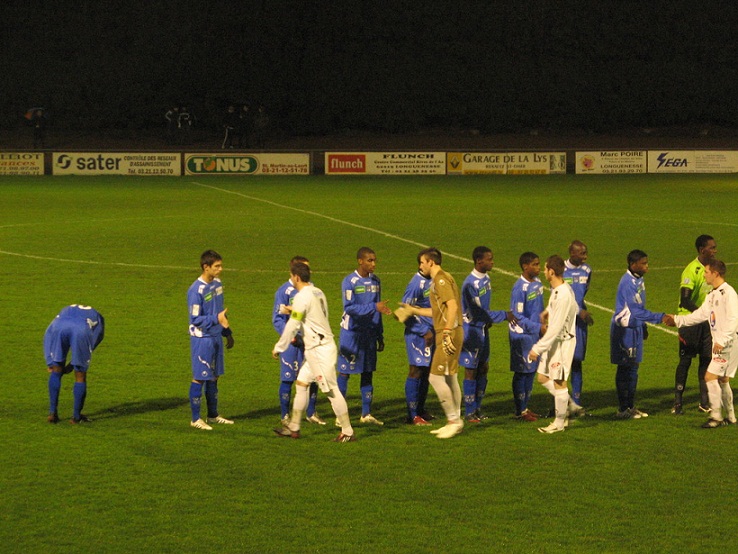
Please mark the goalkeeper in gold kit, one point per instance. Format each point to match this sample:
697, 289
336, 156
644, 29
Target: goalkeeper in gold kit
446, 313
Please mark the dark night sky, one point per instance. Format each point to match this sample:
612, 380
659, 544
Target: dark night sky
322, 66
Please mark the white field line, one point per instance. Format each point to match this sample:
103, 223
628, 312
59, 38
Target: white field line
392, 236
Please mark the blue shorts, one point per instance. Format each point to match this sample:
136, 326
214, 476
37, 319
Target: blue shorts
289, 363
519, 349
357, 353
64, 335
207, 358
418, 354
475, 350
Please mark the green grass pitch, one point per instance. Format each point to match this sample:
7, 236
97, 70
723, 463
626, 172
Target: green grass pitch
139, 479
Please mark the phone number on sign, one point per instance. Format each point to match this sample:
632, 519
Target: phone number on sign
284, 168
151, 171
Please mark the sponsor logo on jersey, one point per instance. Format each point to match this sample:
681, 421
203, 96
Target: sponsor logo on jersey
361, 289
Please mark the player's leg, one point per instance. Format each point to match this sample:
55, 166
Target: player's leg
288, 368
211, 385
211, 398
576, 382
55, 380
423, 393
470, 395
482, 372
412, 391
518, 390
705, 357
715, 394
285, 397
312, 400
302, 394
726, 397
322, 361
367, 392
79, 392
681, 373
201, 360
622, 386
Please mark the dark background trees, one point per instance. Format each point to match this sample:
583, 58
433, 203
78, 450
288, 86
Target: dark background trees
321, 67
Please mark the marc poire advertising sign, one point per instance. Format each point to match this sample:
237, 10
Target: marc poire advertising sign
247, 164
116, 163
692, 161
385, 163
506, 163
611, 161
21, 163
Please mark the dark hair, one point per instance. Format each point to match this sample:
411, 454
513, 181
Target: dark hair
635, 255
718, 266
363, 252
299, 260
702, 241
209, 257
576, 244
526, 258
433, 254
302, 271
479, 253
556, 263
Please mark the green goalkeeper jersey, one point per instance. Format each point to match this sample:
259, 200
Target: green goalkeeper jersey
693, 277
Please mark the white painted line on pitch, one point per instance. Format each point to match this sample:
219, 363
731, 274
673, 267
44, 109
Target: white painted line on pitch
389, 235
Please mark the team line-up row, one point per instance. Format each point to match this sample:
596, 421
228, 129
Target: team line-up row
445, 327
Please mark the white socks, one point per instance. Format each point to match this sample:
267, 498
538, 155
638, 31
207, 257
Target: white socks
449, 394
727, 399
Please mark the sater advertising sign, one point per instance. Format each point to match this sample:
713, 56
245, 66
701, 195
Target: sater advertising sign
385, 163
611, 161
21, 163
247, 164
116, 163
692, 161
506, 163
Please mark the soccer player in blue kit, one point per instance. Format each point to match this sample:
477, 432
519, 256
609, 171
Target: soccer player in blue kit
292, 358
79, 329
526, 304
628, 331
476, 294
577, 273
208, 325
419, 344
362, 331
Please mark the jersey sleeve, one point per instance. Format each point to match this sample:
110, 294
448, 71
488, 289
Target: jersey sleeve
197, 317
517, 307
279, 320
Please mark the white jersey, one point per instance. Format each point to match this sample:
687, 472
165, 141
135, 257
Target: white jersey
562, 319
309, 314
720, 308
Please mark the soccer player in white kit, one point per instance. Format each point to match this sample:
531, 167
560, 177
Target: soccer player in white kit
310, 314
556, 347
720, 309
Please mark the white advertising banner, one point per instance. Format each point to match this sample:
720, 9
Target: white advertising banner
692, 161
385, 163
506, 163
21, 163
611, 161
247, 164
116, 163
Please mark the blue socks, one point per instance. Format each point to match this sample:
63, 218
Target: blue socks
195, 394
481, 389
312, 399
54, 388
412, 387
285, 390
470, 396
518, 389
343, 383
79, 391
211, 395
576, 382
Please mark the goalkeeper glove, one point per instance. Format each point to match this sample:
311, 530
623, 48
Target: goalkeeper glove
448, 343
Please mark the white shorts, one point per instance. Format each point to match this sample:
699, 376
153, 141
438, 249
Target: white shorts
725, 363
320, 367
556, 363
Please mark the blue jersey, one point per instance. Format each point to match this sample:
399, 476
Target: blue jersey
205, 302
360, 315
76, 328
291, 359
417, 294
579, 278
476, 295
526, 303
629, 320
